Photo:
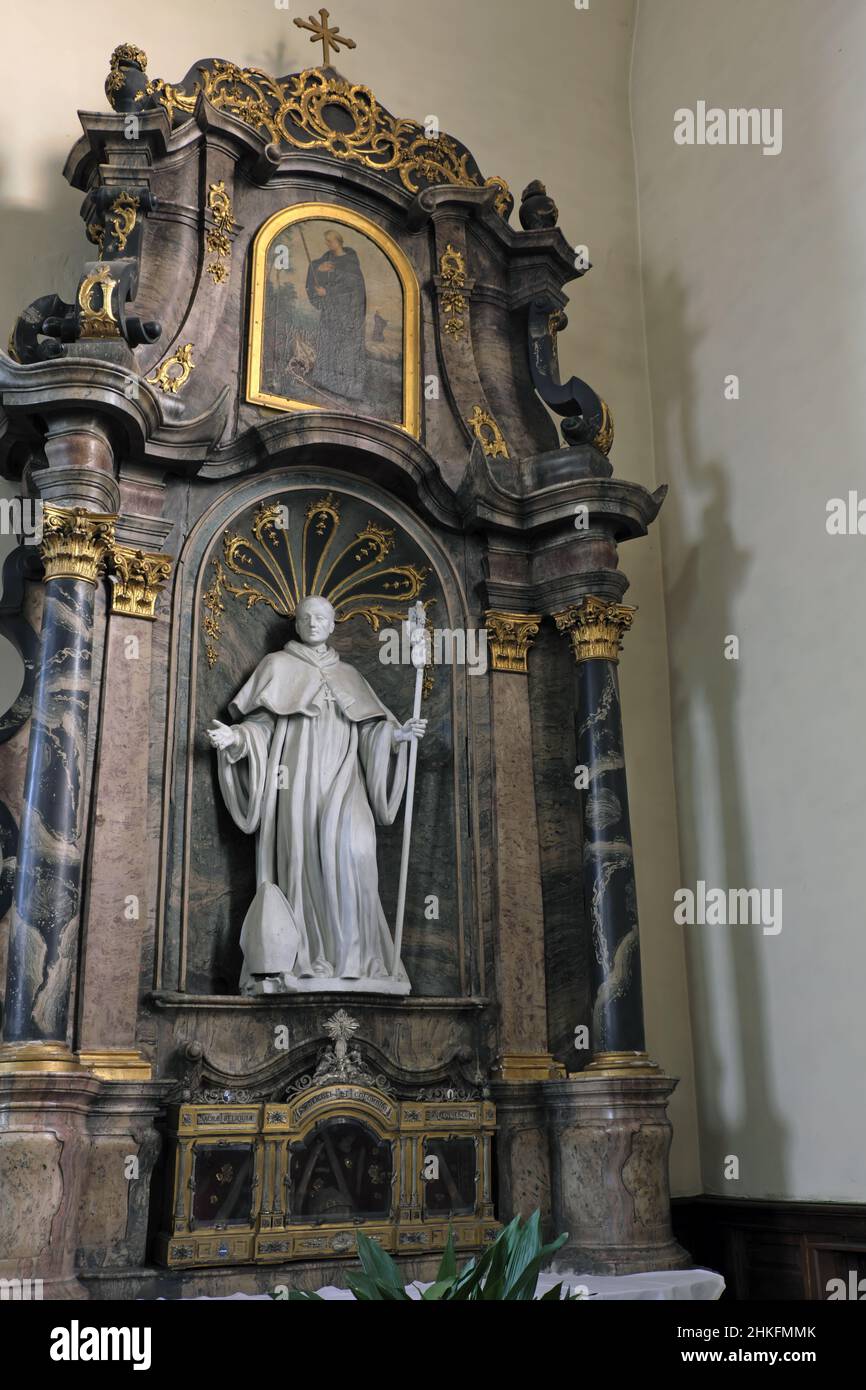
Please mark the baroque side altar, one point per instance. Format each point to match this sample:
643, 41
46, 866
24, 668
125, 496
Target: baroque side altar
307, 388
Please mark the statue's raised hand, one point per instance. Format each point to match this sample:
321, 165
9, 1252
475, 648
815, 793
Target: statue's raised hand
221, 736
413, 728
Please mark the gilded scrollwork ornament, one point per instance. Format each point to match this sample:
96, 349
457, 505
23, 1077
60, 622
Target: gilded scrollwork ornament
122, 216
173, 374
604, 438
356, 577
217, 238
452, 271
97, 318
212, 603
487, 432
298, 111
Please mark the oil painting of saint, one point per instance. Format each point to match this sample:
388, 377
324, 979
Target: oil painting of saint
330, 314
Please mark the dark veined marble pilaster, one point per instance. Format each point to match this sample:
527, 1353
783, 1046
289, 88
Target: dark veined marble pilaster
596, 627
44, 927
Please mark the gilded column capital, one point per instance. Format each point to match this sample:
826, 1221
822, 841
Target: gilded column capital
75, 542
596, 628
510, 636
138, 579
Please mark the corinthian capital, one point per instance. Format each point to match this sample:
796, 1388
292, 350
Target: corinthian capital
75, 542
596, 628
510, 635
139, 577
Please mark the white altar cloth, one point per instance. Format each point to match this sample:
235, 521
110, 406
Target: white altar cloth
686, 1285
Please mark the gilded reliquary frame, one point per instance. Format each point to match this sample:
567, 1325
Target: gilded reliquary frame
267, 1227
334, 317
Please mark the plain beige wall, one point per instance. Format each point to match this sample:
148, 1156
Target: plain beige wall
535, 91
755, 265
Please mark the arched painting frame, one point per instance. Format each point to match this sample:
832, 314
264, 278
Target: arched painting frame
375, 255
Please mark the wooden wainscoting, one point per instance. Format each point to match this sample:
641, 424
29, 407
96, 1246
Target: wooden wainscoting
775, 1250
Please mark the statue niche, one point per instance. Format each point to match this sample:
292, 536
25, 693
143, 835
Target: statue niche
311, 740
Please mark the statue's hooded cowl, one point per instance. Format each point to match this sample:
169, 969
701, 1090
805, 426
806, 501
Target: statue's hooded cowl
315, 773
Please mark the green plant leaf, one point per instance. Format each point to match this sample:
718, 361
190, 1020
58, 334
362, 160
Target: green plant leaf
439, 1291
524, 1287
508, 1269
448, 1263
552, 1295
524, 1247
364, 1288
501, 1252
378, 1265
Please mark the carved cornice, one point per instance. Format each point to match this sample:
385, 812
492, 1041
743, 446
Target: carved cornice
296, 112
509, 637
527, 1066
76, 543
596, 628
139, 577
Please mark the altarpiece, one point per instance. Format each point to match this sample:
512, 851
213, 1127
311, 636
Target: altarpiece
307, 385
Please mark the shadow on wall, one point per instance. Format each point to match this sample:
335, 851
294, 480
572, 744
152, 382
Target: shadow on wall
725, 963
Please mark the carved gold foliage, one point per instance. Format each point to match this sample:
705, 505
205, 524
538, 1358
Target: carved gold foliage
126, 54
486, 430
356, 578
510, 635
95, 233
452, 270
173, 374
555, 323
295, 112
122, 215
139, 577
212, 602
604, 439
452, 267
217, 240
596, 628
76, 543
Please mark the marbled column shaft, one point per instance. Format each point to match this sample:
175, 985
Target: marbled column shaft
611, 898
119, 867
44, 928
520, 913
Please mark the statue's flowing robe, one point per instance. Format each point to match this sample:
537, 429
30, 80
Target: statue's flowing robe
315, 772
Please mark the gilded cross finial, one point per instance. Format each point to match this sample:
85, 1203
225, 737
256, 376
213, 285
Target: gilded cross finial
323, 33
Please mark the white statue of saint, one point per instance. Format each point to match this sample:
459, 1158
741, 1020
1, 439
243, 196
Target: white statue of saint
314, 763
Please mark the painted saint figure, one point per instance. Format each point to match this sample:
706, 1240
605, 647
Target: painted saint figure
336, 289
314, 764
